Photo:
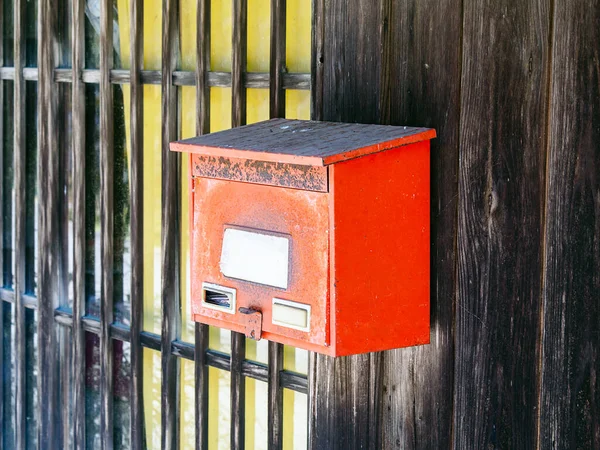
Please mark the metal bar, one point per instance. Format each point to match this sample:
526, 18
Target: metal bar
238, 390
79, 241
48, 231
202, 127
316, 59
171, 299
106, 219
137, 224
20, 169
278, 56
238, 62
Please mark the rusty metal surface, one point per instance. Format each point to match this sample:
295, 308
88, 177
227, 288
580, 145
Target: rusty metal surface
301, 214
253, 322
297, 176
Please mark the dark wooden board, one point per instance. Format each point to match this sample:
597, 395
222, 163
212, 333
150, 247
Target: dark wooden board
420, 86
49, 268
79, 242
138, 438
20, 178
171, 238
106, 224
344, 409
570, 396
239, 58
352, 61
501, 189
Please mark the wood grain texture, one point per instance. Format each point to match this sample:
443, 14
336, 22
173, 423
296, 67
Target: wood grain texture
420, 86
138, 436
277, 58
106, 223
20, 176
317, 59
201, 385
79, 241
570, 395
49, 269
276, 109
275, 397
202, 127
239, 62
344, 405
203, 67
2, 433
238, 391
256, 80
501, 188
171, 241
352, 62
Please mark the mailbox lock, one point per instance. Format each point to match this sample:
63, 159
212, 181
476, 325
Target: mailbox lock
253, 323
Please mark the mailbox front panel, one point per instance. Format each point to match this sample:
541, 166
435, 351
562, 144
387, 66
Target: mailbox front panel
261, 248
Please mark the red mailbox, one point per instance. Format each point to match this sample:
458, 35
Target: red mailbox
312, 234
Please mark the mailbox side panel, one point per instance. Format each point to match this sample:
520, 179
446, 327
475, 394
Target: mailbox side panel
380, 272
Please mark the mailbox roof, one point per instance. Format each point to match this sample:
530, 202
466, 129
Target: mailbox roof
302, 141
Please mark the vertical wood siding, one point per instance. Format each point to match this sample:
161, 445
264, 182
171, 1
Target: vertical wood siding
512, 88
570, 394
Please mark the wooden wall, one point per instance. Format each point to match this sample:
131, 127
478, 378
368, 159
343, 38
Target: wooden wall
513, 89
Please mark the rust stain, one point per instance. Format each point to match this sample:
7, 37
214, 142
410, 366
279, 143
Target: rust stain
296, 176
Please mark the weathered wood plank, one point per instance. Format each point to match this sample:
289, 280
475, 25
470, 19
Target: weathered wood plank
238, 391
352, 62
2, 432
138, 441
79, 239
276, 109
255, 80
343, 410
501, 190
171, 179
238, 62
49, 192
420, 85
277, 58
20, 178
203, 67
202, 127
201, 386
275, 397
238, 118
106, 223
570, 394
317, 59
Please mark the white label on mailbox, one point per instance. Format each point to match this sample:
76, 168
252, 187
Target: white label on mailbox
260, 258
291, 314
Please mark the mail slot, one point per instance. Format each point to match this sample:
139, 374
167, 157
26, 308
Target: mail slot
312, 234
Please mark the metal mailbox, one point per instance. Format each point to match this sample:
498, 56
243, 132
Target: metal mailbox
312, 234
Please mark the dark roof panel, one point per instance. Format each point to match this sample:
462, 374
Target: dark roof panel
303, 141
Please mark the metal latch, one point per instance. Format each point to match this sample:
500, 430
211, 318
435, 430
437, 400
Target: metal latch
253, 323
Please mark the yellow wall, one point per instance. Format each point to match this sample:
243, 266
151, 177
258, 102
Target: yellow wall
297, 106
